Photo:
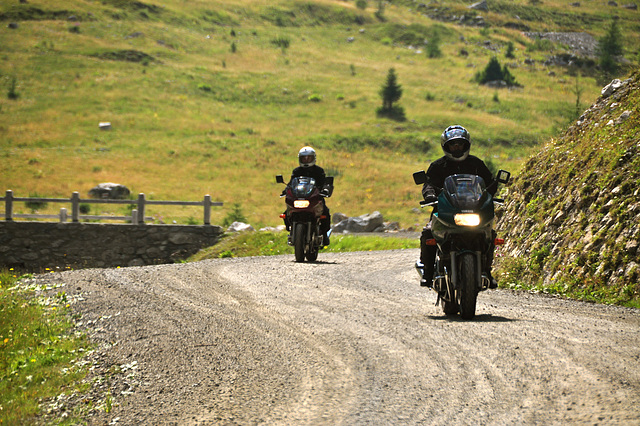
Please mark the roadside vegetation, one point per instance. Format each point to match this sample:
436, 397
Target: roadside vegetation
40, 353
266, 243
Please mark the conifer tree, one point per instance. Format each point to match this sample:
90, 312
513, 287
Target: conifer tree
390, 93
609, 48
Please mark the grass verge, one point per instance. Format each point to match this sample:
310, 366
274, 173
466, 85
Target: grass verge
266, 243
40, 356
520, 274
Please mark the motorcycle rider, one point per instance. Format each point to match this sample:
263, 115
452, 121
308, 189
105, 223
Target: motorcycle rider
309, 168
456, 144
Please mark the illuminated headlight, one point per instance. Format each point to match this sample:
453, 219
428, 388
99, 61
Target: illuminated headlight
301, 204
467, 219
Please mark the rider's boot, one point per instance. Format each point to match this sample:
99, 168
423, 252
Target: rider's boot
427, 276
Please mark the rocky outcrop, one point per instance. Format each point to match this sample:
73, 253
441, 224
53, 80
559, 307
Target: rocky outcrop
110, 190
373, 222
571, 218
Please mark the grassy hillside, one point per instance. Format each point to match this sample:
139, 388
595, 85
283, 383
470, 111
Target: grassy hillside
574, 230
217, 97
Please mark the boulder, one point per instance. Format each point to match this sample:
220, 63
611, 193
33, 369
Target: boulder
240, 227
481, 5
364, 223
109, 190
610, 88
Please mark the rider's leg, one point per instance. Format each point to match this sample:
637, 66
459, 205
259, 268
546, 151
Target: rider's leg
427, 256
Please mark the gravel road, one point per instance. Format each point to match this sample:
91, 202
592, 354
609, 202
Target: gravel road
349, 340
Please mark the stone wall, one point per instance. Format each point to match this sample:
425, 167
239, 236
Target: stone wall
35, 246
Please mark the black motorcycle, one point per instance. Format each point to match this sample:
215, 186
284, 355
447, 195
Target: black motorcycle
305, 206
463, 232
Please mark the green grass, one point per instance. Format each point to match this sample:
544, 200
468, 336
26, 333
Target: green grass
39, 352
264, 243
522, 274
190, 117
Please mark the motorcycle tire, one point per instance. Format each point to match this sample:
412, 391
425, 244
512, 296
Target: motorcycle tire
449, 308
312, 252
312, 255
300, 233
467, 293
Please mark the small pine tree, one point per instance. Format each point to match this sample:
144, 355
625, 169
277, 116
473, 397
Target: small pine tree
12, 93
390, 93
509, 54
235, 215
433, 47
610, 47
494, 71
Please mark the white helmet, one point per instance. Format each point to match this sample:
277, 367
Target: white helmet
307, 157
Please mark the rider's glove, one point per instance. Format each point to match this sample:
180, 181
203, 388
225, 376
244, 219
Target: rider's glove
430, 199
324, 193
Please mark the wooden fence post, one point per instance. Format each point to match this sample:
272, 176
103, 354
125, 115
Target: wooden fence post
141, 211
75, 207
207, 209
63, 215
8, 205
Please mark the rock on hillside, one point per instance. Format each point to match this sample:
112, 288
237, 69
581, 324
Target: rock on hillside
571, 218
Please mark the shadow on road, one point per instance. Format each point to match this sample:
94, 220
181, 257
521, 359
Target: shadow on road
477, 318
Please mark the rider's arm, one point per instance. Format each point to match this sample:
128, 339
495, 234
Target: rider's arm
485, 173
431, 189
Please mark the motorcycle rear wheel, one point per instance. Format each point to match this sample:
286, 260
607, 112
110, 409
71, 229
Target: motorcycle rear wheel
298, 243
467, 294
449, 308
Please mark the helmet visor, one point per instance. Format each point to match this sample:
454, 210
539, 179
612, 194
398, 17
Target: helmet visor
306, 159
457, 147
456, 133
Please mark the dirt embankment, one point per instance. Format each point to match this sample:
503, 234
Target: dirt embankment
351, 339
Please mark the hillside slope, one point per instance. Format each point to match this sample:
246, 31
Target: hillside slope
571, 219
217, 96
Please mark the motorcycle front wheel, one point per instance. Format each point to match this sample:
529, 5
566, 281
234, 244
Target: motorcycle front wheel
312, 252
467, 293
299, 235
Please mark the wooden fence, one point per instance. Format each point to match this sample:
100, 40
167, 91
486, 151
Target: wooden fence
137, 215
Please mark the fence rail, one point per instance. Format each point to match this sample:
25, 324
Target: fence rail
137, 215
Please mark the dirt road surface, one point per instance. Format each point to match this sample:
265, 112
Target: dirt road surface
349, 340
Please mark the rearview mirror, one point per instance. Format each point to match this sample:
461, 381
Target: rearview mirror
279, 179
503, 176
420, 177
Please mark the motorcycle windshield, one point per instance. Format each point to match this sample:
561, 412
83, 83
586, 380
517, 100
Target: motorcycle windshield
302, 186
464, 191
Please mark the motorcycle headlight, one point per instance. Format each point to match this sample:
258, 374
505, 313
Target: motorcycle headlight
301, 204
467, 219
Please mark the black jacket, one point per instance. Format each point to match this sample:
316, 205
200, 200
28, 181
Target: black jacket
443, 167
314, 171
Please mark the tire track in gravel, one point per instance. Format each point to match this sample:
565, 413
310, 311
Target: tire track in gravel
351, 339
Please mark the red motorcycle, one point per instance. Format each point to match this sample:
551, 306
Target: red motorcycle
305, 205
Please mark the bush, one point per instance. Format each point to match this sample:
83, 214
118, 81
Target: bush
35, 205
282, 42
495, 72
235, 215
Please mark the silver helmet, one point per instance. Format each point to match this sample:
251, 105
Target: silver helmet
307, 157
456, 143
